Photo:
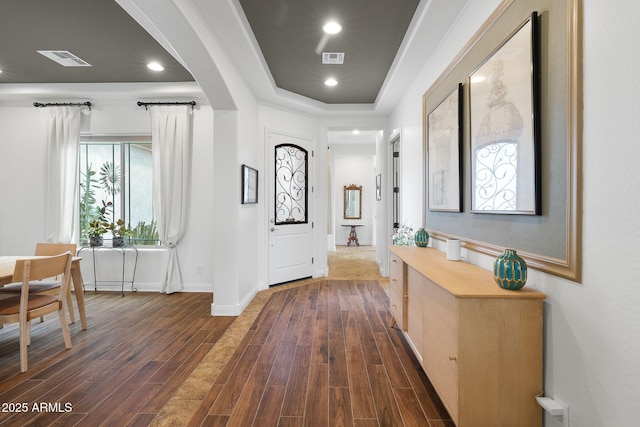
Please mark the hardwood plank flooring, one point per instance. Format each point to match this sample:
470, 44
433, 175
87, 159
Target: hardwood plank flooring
316, 354
135, 354
323, 355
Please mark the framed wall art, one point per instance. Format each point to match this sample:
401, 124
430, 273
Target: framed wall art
504, 103
249, 185
547, 232
444, 150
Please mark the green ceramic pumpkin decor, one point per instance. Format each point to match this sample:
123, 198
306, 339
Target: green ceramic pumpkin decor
510, 270
421, 238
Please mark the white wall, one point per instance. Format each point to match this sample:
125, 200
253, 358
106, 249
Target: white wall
22, 178
592, 330
249, 230
384, 206
353, 168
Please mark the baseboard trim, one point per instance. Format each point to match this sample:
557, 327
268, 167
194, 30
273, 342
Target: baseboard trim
147, 287
383, 270
232, 310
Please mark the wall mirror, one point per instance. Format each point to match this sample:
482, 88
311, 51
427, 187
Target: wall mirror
352, 201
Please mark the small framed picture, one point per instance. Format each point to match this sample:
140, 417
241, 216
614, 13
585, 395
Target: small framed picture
249, 185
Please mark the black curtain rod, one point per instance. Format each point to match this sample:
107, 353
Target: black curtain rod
145, 104
60, 104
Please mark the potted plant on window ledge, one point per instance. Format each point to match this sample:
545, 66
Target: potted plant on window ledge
96, 229
120, 231
99, 226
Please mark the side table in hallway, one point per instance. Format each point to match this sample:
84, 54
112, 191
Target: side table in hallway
353, 236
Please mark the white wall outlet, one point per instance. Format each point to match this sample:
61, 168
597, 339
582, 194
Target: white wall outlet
555, 407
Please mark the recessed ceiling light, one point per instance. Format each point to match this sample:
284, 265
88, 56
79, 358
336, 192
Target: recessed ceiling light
331, 82
155, 66
356, 132
478, 79
332, 27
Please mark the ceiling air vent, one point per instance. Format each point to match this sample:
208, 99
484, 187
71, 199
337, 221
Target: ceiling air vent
332, 57
64, 58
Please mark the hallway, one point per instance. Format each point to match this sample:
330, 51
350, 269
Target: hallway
322, 354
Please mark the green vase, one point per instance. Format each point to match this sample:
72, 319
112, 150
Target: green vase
421, 238
510, 271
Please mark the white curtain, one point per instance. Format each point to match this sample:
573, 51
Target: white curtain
61, 198
171, 139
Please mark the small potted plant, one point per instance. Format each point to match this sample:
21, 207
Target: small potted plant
120, 231
96, 229
99, 226
403, 236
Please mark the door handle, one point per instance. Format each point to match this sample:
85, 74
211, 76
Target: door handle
273, 229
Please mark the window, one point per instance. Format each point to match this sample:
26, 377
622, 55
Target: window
117, 172
291, 184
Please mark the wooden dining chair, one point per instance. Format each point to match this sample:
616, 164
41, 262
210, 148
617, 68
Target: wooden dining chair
51, 285
27, 306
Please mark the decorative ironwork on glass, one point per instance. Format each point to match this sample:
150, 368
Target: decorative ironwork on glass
496, 176
496, 160
291, 184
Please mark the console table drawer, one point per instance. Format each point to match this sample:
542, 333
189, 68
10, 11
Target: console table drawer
398, 290
396, 274
396, 304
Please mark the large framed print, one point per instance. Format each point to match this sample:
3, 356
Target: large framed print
504, 116
551, 241
444, 151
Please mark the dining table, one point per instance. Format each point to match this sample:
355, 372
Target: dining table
7, 265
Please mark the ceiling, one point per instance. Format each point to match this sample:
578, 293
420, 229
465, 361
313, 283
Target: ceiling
288, 34
100, 32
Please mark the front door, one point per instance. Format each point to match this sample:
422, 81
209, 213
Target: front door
290, 226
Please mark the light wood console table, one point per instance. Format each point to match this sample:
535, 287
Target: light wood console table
479, 344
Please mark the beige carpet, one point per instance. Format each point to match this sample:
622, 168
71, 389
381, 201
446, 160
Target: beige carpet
346, 263
353, 262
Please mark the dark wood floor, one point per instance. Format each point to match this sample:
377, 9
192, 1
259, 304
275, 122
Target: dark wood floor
323, 355
319, 354
135, 354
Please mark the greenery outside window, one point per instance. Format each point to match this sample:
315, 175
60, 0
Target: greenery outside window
116, 172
